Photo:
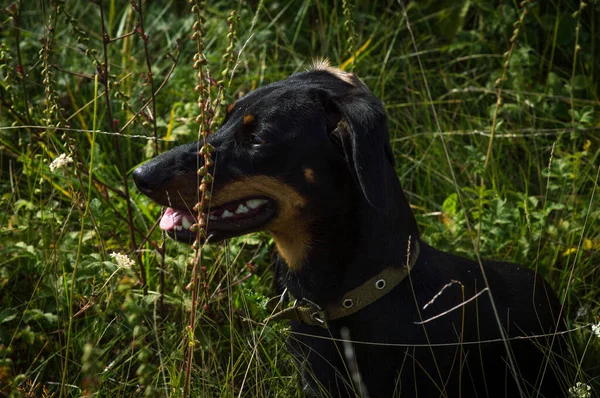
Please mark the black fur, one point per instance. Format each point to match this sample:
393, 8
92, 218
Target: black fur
360, 222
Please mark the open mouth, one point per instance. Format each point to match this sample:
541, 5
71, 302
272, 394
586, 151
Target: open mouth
229, 220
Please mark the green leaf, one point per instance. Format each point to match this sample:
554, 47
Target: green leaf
252, 239
51, 318
450, 205
32, 315
28, 248
21, 203
7, 315
96, 207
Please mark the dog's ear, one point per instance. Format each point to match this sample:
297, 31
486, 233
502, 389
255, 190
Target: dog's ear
356, 122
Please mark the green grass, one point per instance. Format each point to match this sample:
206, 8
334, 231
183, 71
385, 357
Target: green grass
519, 181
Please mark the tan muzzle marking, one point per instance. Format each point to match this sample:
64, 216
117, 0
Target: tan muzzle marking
289, 228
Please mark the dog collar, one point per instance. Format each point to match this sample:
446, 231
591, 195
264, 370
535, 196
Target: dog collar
305, 311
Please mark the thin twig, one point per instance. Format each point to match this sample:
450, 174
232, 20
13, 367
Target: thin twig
20, 62
103, 69
204, 177
175, 62
15, 113
451, 309
149, 76
524, 133
434, 345
509, 355
123, 36
576, 50
438, 294
500, 81
68, 129
352, 363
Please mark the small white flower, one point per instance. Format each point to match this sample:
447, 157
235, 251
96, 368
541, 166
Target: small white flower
580, 390
122, 260
60, 162
596, 329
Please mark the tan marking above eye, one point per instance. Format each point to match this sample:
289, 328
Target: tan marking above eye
309, 175
248, 119
290, 228
230, 107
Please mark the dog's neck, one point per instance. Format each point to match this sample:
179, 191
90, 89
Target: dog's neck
350, 247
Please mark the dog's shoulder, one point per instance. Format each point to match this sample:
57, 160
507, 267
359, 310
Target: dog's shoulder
517, 291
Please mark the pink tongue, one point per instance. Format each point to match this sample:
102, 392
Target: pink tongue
170, 219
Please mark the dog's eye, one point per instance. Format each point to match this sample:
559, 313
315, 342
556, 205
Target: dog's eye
256, 140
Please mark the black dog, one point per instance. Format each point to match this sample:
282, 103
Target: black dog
308, 159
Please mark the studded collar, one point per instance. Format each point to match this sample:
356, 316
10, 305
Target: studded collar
305, 311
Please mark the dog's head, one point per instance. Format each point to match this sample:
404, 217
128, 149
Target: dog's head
312, 143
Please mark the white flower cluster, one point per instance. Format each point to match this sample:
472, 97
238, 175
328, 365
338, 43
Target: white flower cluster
60, 162
122, 260
580, 390
596, 329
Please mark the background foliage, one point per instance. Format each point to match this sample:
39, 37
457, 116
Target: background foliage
493, 109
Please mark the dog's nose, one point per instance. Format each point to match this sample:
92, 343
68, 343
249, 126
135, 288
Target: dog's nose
146, 180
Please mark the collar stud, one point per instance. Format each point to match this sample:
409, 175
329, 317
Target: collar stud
348, 303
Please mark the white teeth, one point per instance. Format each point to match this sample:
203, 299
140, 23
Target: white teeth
241, 209
226, 214
178, 228
186, 223
254, 203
